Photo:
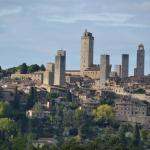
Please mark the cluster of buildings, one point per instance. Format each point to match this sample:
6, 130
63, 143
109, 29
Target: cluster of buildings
56, 73
99, 78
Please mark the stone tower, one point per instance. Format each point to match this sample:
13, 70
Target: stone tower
118, 70
105, 69
60, 67
49, 74
125, 66
86, 53
139, 70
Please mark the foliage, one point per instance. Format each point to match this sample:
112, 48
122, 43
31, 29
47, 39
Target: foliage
136, 137
23, 68
104, 113
16, 102
32, 98
7, 126
4, 109
108, 101
37, 107
51, 96
33, 68
42, 68
139, 91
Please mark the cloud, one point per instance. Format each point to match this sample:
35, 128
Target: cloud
12, 11
103, 17
108, 19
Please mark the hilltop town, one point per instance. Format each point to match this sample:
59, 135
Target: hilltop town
54, 104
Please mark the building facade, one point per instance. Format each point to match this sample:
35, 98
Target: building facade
105, 69
60, 67
139, 70
118, 70
49, 74
125, 66
86, 53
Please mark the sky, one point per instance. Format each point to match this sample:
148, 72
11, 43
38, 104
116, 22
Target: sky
32, 31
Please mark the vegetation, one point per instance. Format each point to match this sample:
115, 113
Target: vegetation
108, 101
42, 68
73, 127
23, 68
32, 99
104, 113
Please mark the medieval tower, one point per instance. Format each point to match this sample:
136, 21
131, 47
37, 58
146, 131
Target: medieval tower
139, 70
87, 44
60, 67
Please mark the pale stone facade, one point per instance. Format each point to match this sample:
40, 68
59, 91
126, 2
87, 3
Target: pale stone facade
36, 76
132, 110
49, 74
86, 53
60, 66
93, 73
73, 79
118, 70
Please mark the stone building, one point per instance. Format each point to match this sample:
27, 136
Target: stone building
118, 70
73, 78
60, 67
86, 53
49, 74
125, 66
105, 69
37, 77
133, 110
93, 73
139, 70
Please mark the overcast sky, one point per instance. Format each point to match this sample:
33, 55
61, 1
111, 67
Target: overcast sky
32, 31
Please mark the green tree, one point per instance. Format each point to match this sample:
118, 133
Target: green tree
0, 68
33, 68
23, 68
136, 135
42, 68
16, 102
8, 127
108, 101
104, 113
143, 134
4, 109
122, 133
32, 98
50, 96
19, 142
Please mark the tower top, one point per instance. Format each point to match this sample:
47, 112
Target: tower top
141, 47
86, 33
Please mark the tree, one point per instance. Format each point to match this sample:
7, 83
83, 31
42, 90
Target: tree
19, 142
16, 103
42, 68
122, 132
0, 68
32, 98
136, 136
33, 68
104, 113
23, 68
8, 127
4, 109
108, 101
50, 96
